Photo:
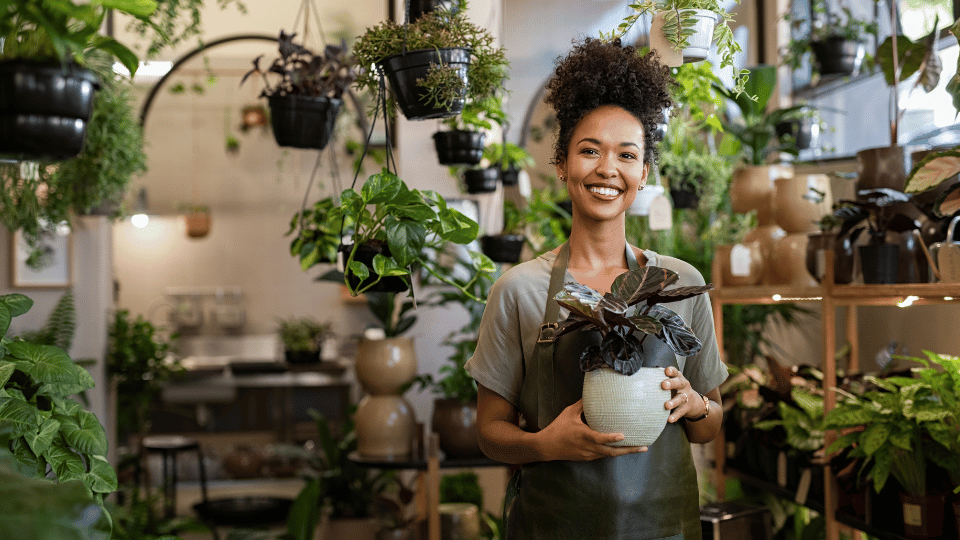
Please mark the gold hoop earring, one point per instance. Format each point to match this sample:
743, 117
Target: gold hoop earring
561, 178
641, 188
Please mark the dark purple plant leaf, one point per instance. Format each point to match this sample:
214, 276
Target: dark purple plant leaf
646, 324
679, 293
591, 359
581, 293
636, 285
675, 333
621, 351
569, 325
578, 310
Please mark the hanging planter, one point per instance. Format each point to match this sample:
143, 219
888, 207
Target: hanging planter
197, 222
44, 109
459, 147
481, 180
503, 248
510, 176
406, 70
303, 121
837, 56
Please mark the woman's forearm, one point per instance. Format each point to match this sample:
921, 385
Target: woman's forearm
704, 431
507, 443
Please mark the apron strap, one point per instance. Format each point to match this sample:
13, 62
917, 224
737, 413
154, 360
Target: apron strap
543, 351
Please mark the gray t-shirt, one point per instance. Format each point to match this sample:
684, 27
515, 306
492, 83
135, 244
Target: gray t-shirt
514, 312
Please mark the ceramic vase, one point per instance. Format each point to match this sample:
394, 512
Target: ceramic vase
741, 265
883, 167
385, 422
752, 189
628, 404
790, 261
459, 521
767, 236
800, 201
456, 424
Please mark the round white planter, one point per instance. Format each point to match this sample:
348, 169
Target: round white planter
628, 404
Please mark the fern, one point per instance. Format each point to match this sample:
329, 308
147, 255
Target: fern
60, 327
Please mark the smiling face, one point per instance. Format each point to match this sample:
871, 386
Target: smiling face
604, 167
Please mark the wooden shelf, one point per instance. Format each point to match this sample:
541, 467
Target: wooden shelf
861, 295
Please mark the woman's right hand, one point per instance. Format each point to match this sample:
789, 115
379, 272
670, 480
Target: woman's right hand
569, 438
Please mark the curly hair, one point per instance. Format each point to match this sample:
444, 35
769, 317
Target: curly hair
597, 73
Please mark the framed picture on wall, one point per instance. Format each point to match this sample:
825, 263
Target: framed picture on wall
47, 267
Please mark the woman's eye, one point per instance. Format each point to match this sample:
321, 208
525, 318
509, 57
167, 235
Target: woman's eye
588, 151
628, 156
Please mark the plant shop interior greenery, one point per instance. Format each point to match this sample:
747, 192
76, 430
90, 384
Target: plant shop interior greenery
825, 24
439, 29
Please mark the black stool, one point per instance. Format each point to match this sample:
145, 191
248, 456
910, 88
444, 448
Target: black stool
169, 446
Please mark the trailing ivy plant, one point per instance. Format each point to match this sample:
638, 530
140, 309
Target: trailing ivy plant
174, 22
46, 431
618, 314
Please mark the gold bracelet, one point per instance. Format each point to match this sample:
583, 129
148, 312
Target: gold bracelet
706, 411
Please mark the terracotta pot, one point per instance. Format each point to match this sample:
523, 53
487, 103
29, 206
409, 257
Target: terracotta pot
385, 427
746, 269
243, 462
752, 189
843, 256
922, 515
456, 424
800, 201
884, 167
767, 236
384, 365
789, 261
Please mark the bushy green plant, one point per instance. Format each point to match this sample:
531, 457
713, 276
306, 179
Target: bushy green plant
138, 363
40, 425
463, 487
508, 156
301, 334
802, 420
317, 233
438, 29
826, 24
478, 113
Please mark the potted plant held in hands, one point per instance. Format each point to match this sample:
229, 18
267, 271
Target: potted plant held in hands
434, 64
304, 90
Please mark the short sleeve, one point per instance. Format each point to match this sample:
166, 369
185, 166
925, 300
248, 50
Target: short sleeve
705, 370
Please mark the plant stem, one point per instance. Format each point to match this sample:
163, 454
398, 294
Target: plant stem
894, 124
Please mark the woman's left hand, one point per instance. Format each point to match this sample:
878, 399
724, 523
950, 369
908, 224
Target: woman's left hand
685, 401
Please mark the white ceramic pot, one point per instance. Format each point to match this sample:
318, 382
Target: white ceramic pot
384, 365
628, 404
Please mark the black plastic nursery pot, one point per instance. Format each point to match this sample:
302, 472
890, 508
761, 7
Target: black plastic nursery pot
481, 180
510, 176
837, 56
684, 198
302, 357
365, 254
879, 263
303, 121
44, 109
805, 132
459, 147
403, 70
502, 248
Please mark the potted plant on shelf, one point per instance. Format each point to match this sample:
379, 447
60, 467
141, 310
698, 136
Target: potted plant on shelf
836, 40
302, 339
463, 142
687, 166
48, 96
304, 90
391, 227
893, 429
434, 64
879, 259
510, 158
686, 29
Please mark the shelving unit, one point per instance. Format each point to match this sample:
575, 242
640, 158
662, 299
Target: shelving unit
829, 296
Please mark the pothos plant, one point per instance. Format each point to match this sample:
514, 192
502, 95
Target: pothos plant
619, 313
40, 425
385, 212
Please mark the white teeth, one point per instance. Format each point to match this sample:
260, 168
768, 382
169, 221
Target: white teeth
610, 192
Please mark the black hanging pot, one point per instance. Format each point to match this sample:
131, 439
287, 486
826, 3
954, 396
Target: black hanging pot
685, 196
418, 8
502, 248
459, 147
510, 176
879, 263
805, 132
837, 56
365, 254
481, 180
44, 109
404, 70
303, 121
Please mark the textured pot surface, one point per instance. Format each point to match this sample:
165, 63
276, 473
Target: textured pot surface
789, 261
702, 37
752, 189
303, 121
883, 167
385, 427
502, 248
456, 424
481, 180
767, 236
800, 201
879, 263
384, 365
459, 147
631, 405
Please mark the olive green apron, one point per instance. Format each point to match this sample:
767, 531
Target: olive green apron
647, 496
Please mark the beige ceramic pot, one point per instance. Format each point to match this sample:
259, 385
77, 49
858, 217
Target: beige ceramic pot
632, 405
767, 236
741, 265
384, 365
456, 424
752, 189
459, 521
789, 261
800, 201
385, 427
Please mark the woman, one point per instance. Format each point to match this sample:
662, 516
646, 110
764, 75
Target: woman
572, 485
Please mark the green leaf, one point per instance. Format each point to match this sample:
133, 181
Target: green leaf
406, 239
126, 57
84, 433
16, 303
6, 370
40, 440
137, 8
23, 415
66, 464
909, 56
359, 270
305, 512
5, 319
101, 478
380, 188
47, 364
874, 437
647, 324
933, 170
386, 266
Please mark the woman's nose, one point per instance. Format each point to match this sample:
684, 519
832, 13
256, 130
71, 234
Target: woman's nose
606, 168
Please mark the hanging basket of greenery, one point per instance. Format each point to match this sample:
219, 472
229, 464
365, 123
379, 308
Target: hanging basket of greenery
444, 69
483, 180
306, 98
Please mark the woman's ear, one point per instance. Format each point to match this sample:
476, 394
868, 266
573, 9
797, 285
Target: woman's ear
646, 175
561, 170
